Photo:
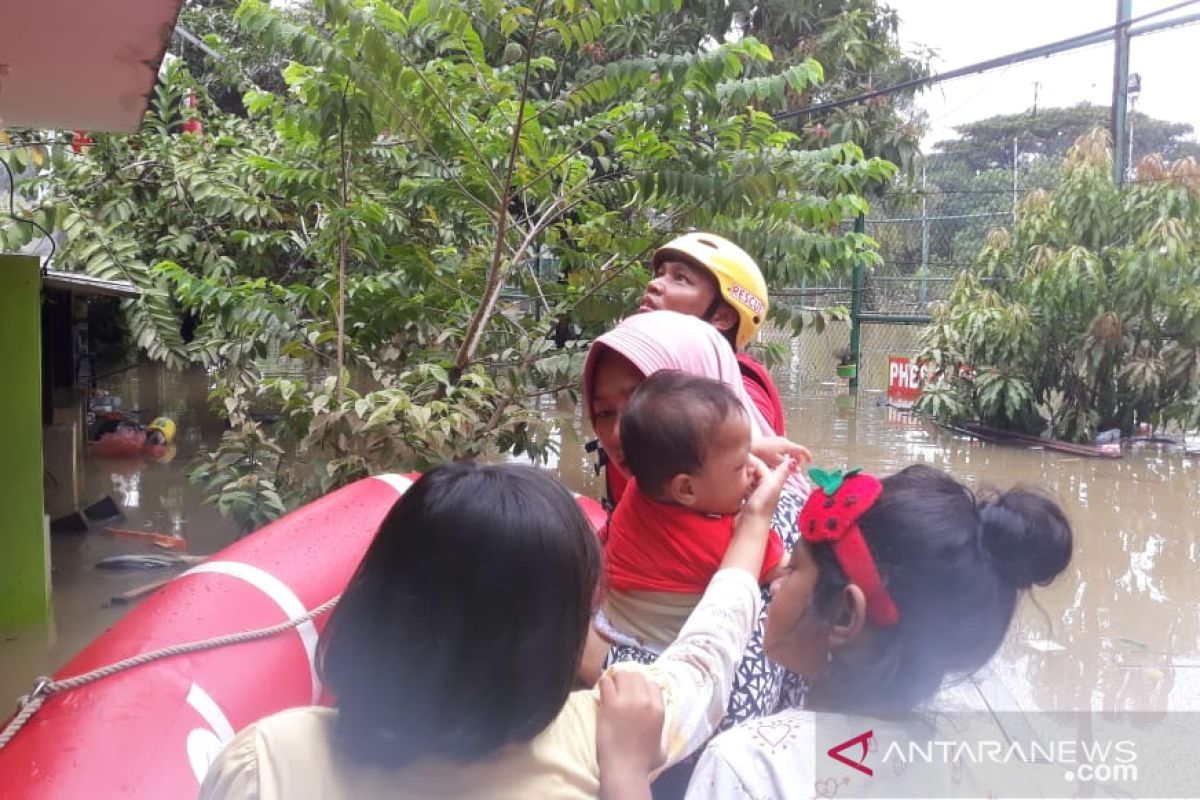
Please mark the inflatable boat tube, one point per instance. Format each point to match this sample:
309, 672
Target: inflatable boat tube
152, 731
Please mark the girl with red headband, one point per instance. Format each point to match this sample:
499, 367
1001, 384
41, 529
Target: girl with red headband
899, 586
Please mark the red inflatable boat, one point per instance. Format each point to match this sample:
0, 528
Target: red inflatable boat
151, 731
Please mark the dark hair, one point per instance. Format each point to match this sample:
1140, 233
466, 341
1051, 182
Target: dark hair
461, 631
667, 423
953, 565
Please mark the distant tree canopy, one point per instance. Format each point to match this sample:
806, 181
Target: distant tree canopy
971, 183
1050, 133
857, 43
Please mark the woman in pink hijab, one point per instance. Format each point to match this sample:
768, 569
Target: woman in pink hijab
620, 360
660, 340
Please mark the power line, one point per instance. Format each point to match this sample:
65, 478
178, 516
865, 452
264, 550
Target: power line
1029, 54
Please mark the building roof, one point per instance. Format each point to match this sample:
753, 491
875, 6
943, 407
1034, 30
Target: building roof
88, 64
80, 283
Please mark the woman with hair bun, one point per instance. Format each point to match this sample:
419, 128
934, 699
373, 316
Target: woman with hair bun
899, 586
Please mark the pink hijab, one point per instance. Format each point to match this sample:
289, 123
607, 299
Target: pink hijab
658, 340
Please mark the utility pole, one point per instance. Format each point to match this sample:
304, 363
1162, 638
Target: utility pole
1016, 190
1132, 92
1117, 123
924, 240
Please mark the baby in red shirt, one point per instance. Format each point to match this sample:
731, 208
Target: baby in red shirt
686, 441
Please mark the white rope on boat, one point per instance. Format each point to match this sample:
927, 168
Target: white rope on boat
45, 688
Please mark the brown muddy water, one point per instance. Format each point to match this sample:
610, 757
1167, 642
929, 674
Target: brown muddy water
1120, 630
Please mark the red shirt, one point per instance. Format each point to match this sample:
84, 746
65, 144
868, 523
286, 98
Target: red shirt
762, 392
658, 547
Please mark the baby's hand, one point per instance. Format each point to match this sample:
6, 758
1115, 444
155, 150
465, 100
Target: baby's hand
752, 525
768, 484
773, 449
628, 734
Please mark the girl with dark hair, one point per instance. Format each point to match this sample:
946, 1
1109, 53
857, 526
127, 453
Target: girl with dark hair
899, 585
453, 651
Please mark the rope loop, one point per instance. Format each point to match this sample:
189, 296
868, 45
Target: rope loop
45, 687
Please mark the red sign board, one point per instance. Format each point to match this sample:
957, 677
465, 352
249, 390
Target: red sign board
905, 379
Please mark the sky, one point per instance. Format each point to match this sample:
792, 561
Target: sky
963, 32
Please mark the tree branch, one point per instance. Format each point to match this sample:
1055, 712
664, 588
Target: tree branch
491, 290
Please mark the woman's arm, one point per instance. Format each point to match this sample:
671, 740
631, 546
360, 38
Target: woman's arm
234, 775
696, 672
752, 526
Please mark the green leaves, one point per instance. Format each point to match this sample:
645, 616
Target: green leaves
831, 480
1003, 396
362, 252
1096, 325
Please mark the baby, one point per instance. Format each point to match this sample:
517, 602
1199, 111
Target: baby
687, 445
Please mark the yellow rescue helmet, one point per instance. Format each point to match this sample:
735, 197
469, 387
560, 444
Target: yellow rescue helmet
739, 279
165, 426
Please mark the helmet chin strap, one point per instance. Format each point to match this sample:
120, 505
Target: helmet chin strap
731, 334
713, 307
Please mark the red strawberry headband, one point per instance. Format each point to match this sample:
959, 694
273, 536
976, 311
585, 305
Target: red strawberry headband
831, 515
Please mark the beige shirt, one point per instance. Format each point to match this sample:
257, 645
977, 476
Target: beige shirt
648, 620
291, 755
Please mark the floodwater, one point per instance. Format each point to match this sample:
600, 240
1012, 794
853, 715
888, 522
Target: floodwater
155, 497
1118, 631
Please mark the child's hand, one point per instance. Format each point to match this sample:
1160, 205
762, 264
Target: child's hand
752, 525
628, 734
768, 485
773, 449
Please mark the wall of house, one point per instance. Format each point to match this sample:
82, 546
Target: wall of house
24, 545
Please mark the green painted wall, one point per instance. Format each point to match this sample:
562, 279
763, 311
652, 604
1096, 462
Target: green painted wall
24, 557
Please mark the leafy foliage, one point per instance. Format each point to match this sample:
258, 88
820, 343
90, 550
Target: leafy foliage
855, 42
1086, 317
360, 253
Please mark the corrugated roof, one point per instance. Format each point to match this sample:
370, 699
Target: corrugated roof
80, 283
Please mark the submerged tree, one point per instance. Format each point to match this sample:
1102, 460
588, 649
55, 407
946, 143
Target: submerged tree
1087, 316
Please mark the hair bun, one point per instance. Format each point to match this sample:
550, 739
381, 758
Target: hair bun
1027, 537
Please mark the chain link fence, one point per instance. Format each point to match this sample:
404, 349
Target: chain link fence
926, 236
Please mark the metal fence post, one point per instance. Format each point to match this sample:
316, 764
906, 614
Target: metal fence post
860, 226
